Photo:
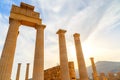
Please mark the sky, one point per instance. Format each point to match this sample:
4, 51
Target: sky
97, 22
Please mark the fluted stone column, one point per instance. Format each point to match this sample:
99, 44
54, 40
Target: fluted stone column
18, 71
38, 69
27, 72
7, 56
63, 56
95, 75
80, 58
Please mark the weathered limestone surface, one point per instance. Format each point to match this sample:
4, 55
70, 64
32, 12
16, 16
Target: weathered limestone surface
80, 58
95, 75
55, 74
27, 72
111, 76
7, 56
118, 75
38, 68
63, 55
72, 71
102, 76
18, 71
23, 15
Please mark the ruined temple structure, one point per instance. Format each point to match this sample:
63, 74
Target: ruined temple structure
55, 74
111, 76
25, 15
102, 76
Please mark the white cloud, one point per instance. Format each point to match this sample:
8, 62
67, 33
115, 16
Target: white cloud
90, 19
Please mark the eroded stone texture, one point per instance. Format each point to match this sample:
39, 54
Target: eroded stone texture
23, 15
18, 71
102, 76
38, 68
95, 74
55, 74
80, 58
111, 76
27, 72
7, 56
63, 55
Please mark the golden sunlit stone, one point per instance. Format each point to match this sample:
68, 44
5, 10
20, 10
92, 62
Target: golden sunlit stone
55, 74
95, 74
63, 55
23, 15
80, 58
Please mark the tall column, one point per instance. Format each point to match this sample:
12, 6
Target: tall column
18, 71
38, 69
95, 75
7, 56
63, 56
80, 58
27, 72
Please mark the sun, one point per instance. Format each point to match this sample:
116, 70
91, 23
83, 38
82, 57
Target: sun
87, 49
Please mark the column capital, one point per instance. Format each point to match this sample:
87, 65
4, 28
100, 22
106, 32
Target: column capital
61, 31
76, 35
28, 63
91, 58
19, 63
14, 20
40, 26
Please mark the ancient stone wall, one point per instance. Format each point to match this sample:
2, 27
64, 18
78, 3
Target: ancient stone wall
54, 72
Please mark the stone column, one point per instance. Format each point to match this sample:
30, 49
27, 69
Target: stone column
27, 72
95, 75
80, 58
72, 71
63, 56
7, 56
38, 68
18, 71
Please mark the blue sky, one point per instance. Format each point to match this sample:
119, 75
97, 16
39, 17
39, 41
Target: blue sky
98, 22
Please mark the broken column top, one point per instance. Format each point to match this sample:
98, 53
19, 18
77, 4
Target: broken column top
92, 58
28, 63
27, 6
61, 31
76, 35
19, 63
